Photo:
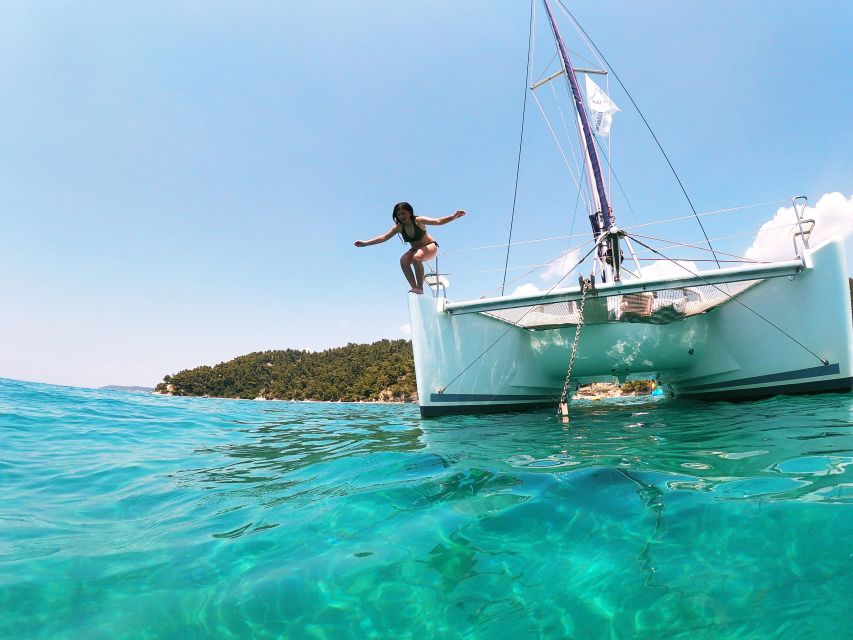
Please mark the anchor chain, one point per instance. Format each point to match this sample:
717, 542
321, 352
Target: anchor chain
563, 407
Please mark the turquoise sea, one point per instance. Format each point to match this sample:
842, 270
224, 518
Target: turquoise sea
137, 516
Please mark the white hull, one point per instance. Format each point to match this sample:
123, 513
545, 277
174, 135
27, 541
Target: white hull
475, 363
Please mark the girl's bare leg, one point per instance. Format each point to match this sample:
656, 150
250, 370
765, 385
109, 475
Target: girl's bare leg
418, 258
406, 266
419, 276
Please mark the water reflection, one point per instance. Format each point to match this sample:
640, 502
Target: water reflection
792, 444
279, 460
638, 519
297, 436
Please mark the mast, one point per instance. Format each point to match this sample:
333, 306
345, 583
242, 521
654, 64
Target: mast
589, 140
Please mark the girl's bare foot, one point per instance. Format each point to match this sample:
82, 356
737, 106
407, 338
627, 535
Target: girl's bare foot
416, 290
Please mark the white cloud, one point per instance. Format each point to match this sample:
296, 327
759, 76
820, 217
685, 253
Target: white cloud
833, 215
406, 329
527, 289
668, 269
560, 266
555, 272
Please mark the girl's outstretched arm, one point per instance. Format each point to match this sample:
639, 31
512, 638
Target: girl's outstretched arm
444, 220
386, 236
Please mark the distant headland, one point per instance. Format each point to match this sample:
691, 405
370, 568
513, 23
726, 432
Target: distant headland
383, 371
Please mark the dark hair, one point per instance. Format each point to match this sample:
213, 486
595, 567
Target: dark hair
401, 206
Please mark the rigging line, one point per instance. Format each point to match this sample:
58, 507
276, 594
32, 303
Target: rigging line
577, 55
606, 156
734, 299
498, 246
694, 246
574, 218
702, 214
537, 267
581, 171
580, 235
734, 235
616, 178
611, 171
749, 233
636, 226
520, 142
532, 267
566, 130
583, 175
601, 63
610, 152
529, 309
648, 126
547, 66
559, 146
699, 260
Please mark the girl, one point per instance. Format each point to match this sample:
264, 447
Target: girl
411, 229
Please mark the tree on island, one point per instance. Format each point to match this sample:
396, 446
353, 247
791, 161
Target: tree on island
382, 371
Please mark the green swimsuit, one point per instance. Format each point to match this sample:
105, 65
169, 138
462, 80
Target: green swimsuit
419, 233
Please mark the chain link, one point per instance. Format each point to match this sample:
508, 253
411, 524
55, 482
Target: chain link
563, 407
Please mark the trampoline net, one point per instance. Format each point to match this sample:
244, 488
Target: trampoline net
651, 307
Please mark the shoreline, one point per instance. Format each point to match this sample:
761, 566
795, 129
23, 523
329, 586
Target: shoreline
262, 399
594, 391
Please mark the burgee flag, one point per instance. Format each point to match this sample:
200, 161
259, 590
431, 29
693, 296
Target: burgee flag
601, 108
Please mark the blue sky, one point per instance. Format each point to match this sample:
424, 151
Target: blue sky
181, 183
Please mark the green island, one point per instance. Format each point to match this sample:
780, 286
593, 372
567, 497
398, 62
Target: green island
383, 371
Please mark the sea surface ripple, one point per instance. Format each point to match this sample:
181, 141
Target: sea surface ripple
128, 515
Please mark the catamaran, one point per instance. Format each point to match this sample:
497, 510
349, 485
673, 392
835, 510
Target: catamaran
747, 331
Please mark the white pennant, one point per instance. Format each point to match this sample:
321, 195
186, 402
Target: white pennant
601, 108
